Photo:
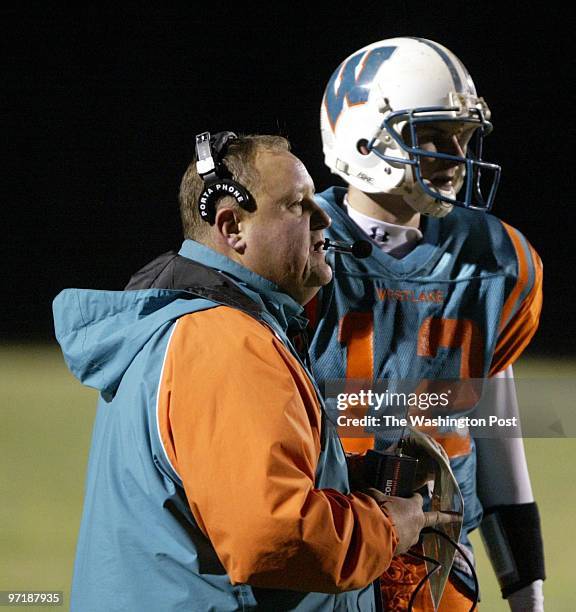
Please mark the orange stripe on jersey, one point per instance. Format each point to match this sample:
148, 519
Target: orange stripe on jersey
453, 333
357, 333
240, 420
522, 275
517, 332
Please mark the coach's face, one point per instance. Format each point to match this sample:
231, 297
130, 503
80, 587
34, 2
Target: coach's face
283, 236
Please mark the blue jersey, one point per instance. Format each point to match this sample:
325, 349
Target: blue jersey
463, 304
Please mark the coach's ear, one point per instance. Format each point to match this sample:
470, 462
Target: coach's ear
228, 228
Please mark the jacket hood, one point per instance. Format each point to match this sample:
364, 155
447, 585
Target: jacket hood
100, 332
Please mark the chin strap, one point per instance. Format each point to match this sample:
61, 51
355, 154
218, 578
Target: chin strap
419, 200
423, 203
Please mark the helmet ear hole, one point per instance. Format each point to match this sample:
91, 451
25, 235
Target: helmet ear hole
362, 147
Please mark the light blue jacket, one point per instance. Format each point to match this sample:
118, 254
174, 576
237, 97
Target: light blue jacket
139, 547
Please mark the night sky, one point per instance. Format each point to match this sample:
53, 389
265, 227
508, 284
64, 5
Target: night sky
100, 110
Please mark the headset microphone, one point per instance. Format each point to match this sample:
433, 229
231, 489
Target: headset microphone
360, 249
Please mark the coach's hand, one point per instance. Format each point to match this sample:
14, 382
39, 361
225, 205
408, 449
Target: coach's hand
408, 517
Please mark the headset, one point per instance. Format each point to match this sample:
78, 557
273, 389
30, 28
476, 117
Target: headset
218, 181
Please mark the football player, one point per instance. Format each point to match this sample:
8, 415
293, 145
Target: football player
449, 291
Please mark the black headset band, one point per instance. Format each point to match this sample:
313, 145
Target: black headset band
218, 183
220, 188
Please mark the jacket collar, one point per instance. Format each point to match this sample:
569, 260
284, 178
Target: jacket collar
285, 310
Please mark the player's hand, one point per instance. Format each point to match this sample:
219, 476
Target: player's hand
408, 517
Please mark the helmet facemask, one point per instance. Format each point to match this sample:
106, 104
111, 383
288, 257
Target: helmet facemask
419, 192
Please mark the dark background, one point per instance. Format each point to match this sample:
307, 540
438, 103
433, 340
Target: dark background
100, 110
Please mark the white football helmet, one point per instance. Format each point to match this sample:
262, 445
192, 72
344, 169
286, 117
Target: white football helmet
371, 107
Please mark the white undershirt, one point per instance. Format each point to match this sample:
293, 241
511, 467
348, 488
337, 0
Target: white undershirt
396, 240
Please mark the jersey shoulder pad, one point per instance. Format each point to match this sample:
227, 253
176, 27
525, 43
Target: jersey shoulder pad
523, 267
522, 305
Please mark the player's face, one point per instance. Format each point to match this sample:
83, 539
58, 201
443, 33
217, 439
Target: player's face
284, 235
443, 137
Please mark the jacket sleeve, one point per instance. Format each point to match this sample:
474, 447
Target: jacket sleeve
240, 421
521, 310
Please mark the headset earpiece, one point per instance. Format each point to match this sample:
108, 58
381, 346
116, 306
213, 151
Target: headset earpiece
218, 183
215, 190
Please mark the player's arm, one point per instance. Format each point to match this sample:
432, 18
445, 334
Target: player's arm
242, 423
511, 528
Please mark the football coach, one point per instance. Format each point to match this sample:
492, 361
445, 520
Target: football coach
214, 481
